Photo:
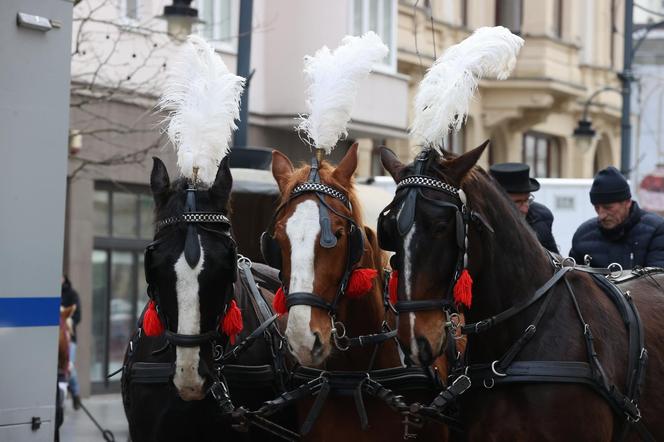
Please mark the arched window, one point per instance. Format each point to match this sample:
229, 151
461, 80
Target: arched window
542, 153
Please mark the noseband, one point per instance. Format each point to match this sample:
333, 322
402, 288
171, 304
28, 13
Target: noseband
193, 219
399, 218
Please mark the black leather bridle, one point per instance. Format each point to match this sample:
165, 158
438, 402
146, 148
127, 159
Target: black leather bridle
399, 217
272, 252
193, 219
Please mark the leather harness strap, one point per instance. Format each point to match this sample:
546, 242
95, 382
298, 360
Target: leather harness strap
507, 371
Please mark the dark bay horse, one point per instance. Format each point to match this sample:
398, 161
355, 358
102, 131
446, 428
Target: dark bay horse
325, 253
425, 226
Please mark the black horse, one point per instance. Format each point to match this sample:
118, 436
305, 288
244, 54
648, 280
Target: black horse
555, 351
173, 385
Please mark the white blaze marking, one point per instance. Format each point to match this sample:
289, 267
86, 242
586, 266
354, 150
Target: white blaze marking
187, 380
302, 229
407, 274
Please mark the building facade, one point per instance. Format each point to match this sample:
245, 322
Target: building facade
121, 52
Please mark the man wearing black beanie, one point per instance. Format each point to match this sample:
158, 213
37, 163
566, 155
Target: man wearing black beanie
622, 232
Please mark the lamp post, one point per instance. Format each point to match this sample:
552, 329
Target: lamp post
584, 132
626, 77
180, 17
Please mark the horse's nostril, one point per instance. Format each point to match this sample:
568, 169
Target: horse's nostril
318, 344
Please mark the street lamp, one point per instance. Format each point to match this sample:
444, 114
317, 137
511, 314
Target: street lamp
584, 132
180, 17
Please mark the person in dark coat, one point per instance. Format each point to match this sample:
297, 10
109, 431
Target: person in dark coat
622, 232
515, 179
69, 297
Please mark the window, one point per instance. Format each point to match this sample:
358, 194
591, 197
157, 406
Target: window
123, 226
130, 9
509, 13
220, 20
542, 153
378, 16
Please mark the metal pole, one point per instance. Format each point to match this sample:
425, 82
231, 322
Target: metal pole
626, 78
243, 68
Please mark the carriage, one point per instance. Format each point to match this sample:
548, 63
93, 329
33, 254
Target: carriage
475, 332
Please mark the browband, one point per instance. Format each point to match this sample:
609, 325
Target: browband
195, 217
321, 188
430, 182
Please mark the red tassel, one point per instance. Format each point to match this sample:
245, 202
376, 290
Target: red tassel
279, 302
232, 324
392, 286
463, 289
360, 282
152, 325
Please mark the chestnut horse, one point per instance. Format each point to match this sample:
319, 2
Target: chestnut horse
446, 208
322, 247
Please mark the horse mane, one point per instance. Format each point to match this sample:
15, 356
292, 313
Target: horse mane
513, 237
497, 207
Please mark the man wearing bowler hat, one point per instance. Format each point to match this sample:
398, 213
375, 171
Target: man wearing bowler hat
515, 179
621, 232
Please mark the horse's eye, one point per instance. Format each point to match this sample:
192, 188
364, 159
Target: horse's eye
339, 233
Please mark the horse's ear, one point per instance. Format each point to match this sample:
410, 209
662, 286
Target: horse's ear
159, 181
282, 169
458, 167
391, 162
346, 168
223, 183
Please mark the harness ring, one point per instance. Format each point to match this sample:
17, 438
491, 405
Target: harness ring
496, 372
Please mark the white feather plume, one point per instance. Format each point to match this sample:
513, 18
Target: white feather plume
333, 80
202, 98
442, 101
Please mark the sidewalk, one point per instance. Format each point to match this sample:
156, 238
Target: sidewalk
106, 409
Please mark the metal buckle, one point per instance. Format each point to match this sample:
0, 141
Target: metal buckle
465, 384
628, 415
